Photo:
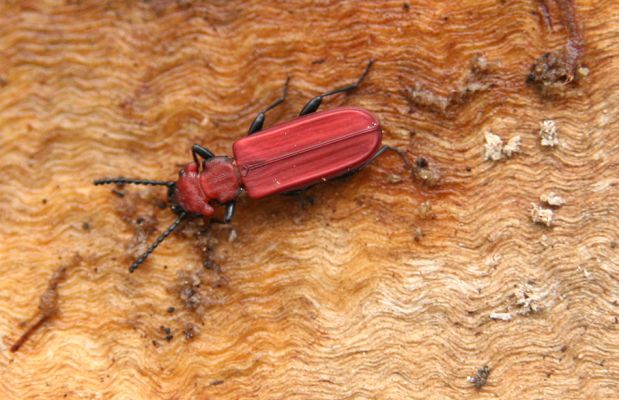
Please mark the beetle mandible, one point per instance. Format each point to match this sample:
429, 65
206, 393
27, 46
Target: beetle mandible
286, 158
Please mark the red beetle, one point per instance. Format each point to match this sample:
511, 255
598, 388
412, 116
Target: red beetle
286, 158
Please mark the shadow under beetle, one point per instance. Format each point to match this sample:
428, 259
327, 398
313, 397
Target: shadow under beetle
284, 159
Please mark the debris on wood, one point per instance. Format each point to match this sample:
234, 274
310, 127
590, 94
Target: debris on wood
528, 299
548, 133
394, 179
232, 235
206, 243
167, 332
477, 78
493, 260
191, 331
426, 173
541, 215
552, 199
494, 149
480, 378
418, 234
553, 71
500, 316
420, 96
48, 306
512, 147
425, 210
200, 289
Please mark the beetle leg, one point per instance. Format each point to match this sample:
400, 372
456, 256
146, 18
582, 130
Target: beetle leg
228, 214
314, 103
380, 151
197, 150
230, 208
400, 152
259, 120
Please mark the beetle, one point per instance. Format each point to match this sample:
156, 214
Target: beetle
284, 159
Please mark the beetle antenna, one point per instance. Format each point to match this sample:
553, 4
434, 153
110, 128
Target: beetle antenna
122, 181
157, 242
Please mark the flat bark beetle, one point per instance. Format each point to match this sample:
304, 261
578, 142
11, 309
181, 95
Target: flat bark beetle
286, 158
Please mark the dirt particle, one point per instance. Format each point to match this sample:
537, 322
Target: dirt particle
541, 215
552, 199
200, 289
406, 7
548, 133
118, 193
394, 179
480, 378
426, 173
190, 331
167, 332
425, 210
206, 242
582, 72
418, 234
216, 383
170, 310
44, 201
86, 226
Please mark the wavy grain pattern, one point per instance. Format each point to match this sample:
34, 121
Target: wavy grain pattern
366, 293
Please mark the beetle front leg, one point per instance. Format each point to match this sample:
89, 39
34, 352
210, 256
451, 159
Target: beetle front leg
258, 123
228, 214
230, 209
197, 150
314, 103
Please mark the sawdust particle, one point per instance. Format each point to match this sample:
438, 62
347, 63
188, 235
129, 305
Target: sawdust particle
552, 199
493, 147
528, 299
500, 316
512, 147
541, 215
548, 133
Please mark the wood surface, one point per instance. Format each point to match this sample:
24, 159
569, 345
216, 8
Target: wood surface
381, 286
